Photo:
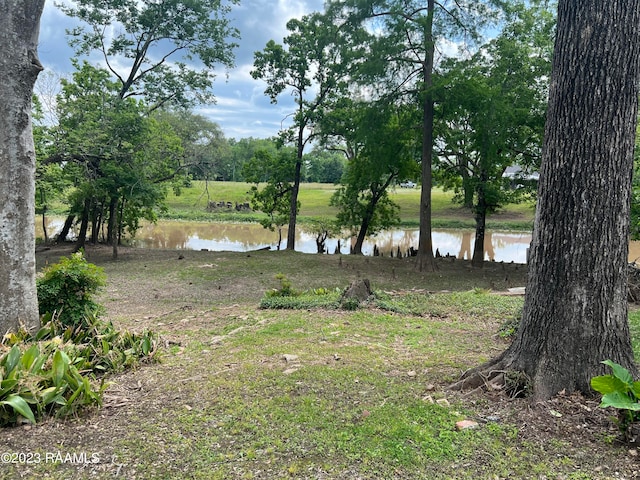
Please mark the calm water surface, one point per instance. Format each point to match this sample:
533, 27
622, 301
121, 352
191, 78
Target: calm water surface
499, 246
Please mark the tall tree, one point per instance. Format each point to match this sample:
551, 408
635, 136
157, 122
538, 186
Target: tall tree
205, 147
161, 52
575, 311
276, 169
118, 157
492, 116
400, 63
380, 146
19, 68
311, 67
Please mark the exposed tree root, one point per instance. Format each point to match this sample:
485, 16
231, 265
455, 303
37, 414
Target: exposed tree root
495, 375
481, 375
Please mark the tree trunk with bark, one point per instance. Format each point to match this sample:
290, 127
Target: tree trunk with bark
575, 312
293, 214
19, 68
477, 260
425, 258
480, 209
362, 233
84, 226
66, 228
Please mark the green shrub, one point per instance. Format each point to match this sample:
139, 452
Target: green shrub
67, 289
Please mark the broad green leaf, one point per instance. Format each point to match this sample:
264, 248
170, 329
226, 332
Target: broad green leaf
146, 346
605, 384
6, 386
48, 395
619, 400
620, 372
60, 366
30, 356
43, 332
19, 405
11, 359
40, 361
635, 389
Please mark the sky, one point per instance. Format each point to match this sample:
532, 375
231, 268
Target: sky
242, 110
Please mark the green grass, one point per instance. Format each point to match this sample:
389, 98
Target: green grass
350, 409
358, 400
634, 327
315, 198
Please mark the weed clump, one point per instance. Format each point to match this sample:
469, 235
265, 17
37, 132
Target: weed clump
509, 327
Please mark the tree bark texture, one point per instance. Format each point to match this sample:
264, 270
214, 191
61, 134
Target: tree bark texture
425, 258
575, 312
19, 68
293, 214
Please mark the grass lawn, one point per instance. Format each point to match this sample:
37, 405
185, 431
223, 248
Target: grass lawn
316, 393
315, 198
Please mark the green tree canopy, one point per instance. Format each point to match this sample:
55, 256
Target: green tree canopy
492, 116
166, 50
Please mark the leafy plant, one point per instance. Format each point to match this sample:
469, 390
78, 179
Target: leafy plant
620, 391
68, 287
43, 378
55, 370
285, 290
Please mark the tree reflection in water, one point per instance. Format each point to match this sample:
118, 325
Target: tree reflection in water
177, 235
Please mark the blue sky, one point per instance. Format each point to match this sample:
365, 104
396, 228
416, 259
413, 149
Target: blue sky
242, 109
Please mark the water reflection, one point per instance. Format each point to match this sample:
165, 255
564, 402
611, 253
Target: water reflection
499, 246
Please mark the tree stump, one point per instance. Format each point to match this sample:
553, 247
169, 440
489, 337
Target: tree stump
359, 290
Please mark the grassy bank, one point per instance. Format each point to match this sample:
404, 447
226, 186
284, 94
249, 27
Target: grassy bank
320, 393
315, 197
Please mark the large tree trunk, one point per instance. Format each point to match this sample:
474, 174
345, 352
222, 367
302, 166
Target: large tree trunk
575, 312
19, 68
84, 226
293, 215
481, 209
425, 258
362, 233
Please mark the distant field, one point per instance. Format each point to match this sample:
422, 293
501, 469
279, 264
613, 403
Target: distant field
315, 198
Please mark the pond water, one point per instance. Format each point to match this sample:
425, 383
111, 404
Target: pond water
242, 237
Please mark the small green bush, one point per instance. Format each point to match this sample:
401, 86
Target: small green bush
67, 288
285, 290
